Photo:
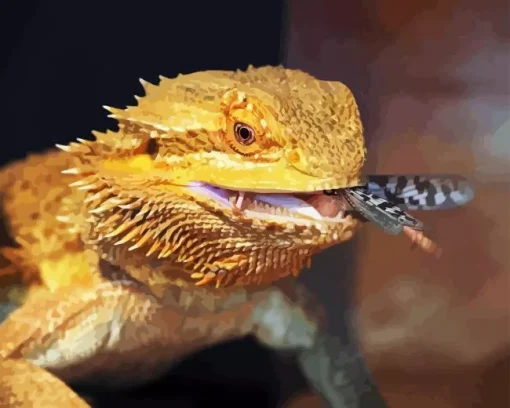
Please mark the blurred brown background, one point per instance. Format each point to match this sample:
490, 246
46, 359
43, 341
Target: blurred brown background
432, 82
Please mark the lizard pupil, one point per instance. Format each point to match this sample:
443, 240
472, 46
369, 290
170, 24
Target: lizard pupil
244, 133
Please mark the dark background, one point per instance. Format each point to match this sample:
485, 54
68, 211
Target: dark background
63, 60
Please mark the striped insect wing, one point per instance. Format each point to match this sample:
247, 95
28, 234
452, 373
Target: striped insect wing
381, 212
422, 192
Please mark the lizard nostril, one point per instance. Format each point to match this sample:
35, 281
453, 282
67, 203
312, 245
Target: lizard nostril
152, 147
294, 157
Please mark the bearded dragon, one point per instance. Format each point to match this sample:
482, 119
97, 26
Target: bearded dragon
175, 231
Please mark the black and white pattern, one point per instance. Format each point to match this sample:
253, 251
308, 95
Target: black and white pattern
420, 192
381, 212
384, 199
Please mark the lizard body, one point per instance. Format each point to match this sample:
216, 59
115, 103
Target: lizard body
165, 236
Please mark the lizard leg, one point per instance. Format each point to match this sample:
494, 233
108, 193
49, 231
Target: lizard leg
287, 318
333, 367
56, 329
337, 372
25, 385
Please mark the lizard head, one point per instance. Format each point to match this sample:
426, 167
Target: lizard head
222, 172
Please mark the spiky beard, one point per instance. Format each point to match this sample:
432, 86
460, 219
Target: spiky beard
137, 219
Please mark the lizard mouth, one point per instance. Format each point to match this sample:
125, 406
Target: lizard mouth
277, 206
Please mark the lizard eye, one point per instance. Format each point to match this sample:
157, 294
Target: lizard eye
244, 133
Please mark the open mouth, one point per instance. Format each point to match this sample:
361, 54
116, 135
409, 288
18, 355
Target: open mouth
333, 206
313, 206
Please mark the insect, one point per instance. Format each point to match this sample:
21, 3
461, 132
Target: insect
384, 200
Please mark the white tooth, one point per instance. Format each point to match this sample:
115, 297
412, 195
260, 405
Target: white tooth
240, 199
291, 204
308, 211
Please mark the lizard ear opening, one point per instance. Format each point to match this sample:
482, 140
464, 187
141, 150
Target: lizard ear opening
152, 148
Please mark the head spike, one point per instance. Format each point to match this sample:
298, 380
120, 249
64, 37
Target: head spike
65, 148
73, 170
113, 111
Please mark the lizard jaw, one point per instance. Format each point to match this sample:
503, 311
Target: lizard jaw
277, 206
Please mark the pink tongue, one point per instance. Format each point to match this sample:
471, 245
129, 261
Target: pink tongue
327, 206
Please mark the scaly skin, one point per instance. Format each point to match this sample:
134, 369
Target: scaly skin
132, 269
